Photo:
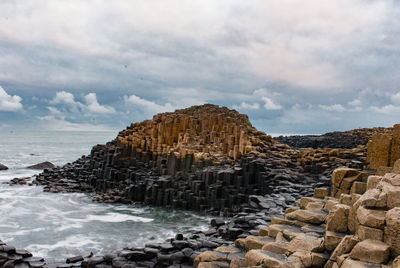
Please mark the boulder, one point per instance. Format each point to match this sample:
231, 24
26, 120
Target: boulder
374, 218
344, 247
350, 263
372, 251
257, 242
365, 232
308, 216
3, 167
338, 218
392, 231
306, 243
258, 257
42, 165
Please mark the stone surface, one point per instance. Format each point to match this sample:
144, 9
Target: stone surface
266, 258
392, 231
374, 218
344, 247
379, 150
372, 251
365, 232
42, 165
338, 218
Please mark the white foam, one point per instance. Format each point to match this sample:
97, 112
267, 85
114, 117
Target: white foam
117, 217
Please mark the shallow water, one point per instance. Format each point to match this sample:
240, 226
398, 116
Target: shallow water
57, 226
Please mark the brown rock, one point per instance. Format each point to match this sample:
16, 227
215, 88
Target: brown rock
350, 263
372, 251
392, 230
338, 218
374, 218
395, 152
373, 182
358, 187
332, 239
257, 242
308, 216
379, 150
364, 232
209, 256
306, 243
258, 257
344, 247
321, 192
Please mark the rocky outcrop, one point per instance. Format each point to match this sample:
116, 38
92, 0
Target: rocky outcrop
346, 139
207, 133
356, 225
384, 150
3, 167
163, 162
42, 165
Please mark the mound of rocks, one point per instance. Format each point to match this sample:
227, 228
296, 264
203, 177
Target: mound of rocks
346, 139
164, 162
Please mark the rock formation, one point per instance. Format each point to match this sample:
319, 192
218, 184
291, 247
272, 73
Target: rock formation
356, 223
42, 165
203, 158
384, 150
3, 167
338, 139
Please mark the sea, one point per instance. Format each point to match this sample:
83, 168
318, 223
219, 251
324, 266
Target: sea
61, 225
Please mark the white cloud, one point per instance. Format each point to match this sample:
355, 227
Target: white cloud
92, 106
148, 107
9, 103
51, 122
247, 106
354, 103
389, 109
95, 107
270, 104
63, 97
333, 108
395, 98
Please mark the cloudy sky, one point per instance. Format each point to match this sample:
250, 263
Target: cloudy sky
293, 66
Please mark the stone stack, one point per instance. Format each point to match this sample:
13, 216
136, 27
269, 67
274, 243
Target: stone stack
384, 150
207, 132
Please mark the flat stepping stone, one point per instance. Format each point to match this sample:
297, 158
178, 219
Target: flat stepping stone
257, 257
308, 216
257, 242
319, 229
289, 231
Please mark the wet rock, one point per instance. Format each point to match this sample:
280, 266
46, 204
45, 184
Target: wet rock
3, 167
42, 165
74, 259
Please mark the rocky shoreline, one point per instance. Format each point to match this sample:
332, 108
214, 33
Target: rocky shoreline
204, 158
338, 139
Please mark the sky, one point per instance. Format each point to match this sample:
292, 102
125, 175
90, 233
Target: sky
293, 66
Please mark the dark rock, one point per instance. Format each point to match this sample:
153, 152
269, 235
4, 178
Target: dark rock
179, 236
74, 259
217, 222
3, 167
42, 165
